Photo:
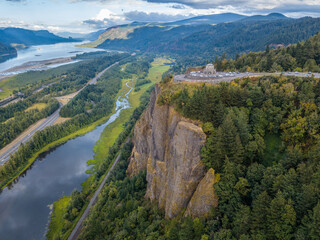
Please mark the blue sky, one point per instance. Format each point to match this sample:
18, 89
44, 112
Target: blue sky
90, 15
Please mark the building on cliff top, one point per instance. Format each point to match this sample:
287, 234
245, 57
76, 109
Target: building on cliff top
210, 69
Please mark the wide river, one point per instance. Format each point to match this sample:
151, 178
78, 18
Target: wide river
45, 52
25, 204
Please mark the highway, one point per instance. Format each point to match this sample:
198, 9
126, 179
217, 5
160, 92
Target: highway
228, 77
11, 148
94, 80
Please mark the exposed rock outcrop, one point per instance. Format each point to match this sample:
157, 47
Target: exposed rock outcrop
203, 198
168, 147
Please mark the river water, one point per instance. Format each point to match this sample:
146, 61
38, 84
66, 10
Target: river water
24, 205
45, 52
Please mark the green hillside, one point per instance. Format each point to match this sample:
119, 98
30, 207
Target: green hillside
6, 52
207, 41
304, 56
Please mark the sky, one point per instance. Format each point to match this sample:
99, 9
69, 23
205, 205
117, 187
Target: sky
83, 16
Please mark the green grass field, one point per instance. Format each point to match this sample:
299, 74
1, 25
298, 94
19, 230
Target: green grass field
112, 131
57, 216
272, 151
39, 106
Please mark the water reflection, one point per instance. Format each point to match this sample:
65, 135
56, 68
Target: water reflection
24, 210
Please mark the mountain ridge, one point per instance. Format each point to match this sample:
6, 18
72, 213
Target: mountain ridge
28, 37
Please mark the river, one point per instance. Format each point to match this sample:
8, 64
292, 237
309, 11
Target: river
45, 52
24, 205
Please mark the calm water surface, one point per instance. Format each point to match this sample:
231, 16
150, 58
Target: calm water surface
45, 52
24, 206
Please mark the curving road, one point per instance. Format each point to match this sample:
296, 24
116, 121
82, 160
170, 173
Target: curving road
11, 148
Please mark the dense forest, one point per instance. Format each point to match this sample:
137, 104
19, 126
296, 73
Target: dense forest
304, 56
262, 139
10, 129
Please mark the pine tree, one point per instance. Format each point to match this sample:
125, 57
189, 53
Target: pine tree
281, 218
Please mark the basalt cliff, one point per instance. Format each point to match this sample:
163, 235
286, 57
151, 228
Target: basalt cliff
167, 146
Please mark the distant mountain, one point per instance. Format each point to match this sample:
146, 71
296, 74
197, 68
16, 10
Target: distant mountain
176, 28
27, 37
269, 17
242, 37
82, 36
206, 41
6, 52
210, 19
94, 35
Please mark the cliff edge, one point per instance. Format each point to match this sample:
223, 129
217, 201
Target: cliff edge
168, 146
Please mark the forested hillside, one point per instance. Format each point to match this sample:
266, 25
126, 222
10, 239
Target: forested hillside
304, 56
262, 139
6, 52
248, 34
242, 37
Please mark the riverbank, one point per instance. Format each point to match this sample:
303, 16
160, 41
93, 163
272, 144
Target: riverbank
107, 139
78, 133
55, 225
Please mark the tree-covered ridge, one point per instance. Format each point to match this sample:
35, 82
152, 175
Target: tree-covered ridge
198, 43
6, 52
30, 37
304, 56
262, 136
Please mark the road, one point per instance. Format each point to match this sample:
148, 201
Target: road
26, 136
94, 80
11, 148
77, 230
228, 77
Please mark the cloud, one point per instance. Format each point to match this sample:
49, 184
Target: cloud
153, 16
105, 19
98, 24
178, 6
203, 4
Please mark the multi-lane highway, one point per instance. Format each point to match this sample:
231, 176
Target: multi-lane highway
27, 135
11, 148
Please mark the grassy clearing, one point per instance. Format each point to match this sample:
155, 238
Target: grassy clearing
57, 216
5, 93
39, 106
272, 152
157, 69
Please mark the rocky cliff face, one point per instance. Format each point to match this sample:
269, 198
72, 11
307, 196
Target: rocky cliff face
168, 147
